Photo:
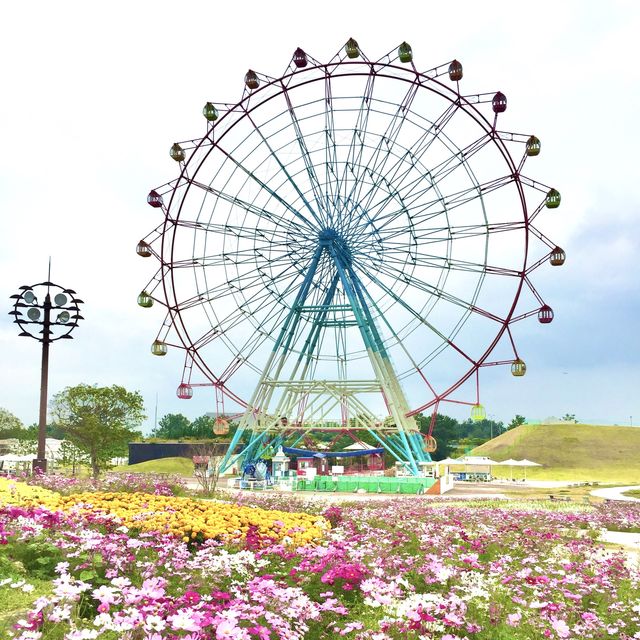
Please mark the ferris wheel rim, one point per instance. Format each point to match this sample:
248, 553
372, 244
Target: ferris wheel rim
468, 108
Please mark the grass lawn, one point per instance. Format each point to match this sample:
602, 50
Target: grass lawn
179, 466
635, 493
14, 602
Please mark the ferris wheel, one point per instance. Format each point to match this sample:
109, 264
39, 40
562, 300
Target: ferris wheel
347, 247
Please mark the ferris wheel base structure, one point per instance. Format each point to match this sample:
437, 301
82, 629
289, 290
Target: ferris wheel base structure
351, 240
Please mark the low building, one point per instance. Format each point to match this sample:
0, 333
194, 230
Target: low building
145, 451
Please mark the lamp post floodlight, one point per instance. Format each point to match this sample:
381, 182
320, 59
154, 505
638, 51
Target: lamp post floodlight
47, 312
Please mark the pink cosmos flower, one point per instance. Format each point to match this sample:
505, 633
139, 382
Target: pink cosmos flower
513, 619
183, 620
228, 630
560, 627
106, 595
262, 632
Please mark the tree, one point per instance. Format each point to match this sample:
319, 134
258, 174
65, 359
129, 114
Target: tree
207, 467
172, 426
569, 417
100, 421
25, 447
10, 425
71, 456
517, 421
446, 431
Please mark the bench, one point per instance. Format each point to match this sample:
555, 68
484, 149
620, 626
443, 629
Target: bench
554, 498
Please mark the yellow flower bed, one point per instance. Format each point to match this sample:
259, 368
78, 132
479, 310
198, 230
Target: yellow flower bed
183, 517
18, 493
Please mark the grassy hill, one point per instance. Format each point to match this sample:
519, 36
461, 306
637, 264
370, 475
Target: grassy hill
180, 466
569, 452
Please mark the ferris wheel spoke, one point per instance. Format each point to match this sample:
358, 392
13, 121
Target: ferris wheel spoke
314, 214
446, 233
415, 282
453, 201
380, 156
446, 262
261, 334
262, 302
283, 251
267, 234
407, 192
243, 283
222, 290
397, 338
260, 212
415, 153
397, 173
377, 162
320, 196
357, 143
416, 314
238, 257
461, 197
458, 158
295, 212
381, 217
330, 145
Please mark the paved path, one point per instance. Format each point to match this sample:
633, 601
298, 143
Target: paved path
615, 493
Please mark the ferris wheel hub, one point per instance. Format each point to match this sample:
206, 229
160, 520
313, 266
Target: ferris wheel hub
333, 241
327, 236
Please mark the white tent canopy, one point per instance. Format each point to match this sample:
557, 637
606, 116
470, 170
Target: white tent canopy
12, 457
509, 463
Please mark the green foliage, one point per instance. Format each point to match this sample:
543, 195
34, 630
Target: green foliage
51, 431
26, 447
172, 427
457, 438
38, 558
202, 427
175, 426
14, 602
72, 456
569, 417
517, 421
10, 425
100, 421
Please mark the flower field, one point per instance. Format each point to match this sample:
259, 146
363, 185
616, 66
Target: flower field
268, 566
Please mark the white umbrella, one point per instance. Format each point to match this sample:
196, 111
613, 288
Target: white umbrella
526, 463
509, 463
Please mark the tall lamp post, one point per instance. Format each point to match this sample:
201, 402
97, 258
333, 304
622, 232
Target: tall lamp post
46, 312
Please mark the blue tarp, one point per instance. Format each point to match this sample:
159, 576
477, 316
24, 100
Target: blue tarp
303, 453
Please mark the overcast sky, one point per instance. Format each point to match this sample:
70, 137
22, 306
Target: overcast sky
95, 94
